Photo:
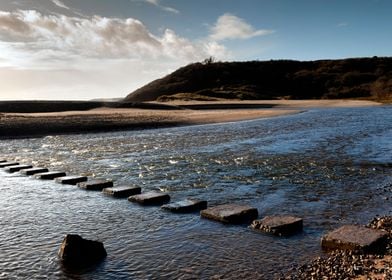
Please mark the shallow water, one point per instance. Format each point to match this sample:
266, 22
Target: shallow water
329, 166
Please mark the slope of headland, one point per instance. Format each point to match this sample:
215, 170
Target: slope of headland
364, 78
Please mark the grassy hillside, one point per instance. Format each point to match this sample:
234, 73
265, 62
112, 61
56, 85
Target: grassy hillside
368, 78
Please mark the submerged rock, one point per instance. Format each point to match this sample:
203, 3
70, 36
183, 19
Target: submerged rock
78, 252
230, 213
279, 225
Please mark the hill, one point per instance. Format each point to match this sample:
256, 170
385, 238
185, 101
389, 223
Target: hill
368, 78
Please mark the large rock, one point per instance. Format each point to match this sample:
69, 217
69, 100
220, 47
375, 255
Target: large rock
33, 171
122, 191
150, 198
95, 185
279, 225
76, 251
186, 206
17, 168
71, 180
50, 175
355, 238
230, 213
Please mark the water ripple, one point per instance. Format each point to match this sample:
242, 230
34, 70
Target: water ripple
326, 166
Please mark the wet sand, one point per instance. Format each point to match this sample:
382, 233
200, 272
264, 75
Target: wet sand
110, 119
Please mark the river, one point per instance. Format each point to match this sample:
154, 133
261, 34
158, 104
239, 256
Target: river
329, 166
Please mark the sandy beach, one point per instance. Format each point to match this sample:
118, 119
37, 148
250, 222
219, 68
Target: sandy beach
184, 113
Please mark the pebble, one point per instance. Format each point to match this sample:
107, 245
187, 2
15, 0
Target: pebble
350, 265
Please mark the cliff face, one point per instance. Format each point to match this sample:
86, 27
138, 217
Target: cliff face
369, 78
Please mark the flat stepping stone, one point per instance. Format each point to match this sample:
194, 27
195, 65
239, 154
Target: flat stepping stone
95, 185
33, 171
150, 198
186, 206
230, 213
7, 164
279, 225
71, 180
50, 175
18, 167
122, 191
355, 238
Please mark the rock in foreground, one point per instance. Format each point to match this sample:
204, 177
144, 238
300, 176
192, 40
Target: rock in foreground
186, 206
355, 238
79, 252
339, 265
279, 225
230, 213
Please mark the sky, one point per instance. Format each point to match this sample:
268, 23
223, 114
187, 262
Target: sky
88, 49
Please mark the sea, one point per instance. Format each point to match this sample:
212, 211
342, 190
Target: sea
329, 166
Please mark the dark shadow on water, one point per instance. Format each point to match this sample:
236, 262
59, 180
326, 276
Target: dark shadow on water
76, 271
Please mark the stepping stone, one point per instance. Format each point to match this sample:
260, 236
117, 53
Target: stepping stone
150, 198
50, 175
355, 238
6, 164
71, 180
33, 171
18, 167
186, 206
95, 185
230, 213
122, 191
279, 225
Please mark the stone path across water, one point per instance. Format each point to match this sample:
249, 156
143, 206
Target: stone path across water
226, 213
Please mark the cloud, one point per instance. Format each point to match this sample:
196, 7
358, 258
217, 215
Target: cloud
12, 24
102, 56
60, 4
231, 27
59, 37
165, 8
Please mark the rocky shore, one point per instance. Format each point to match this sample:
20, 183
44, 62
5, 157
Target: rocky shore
350, 265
